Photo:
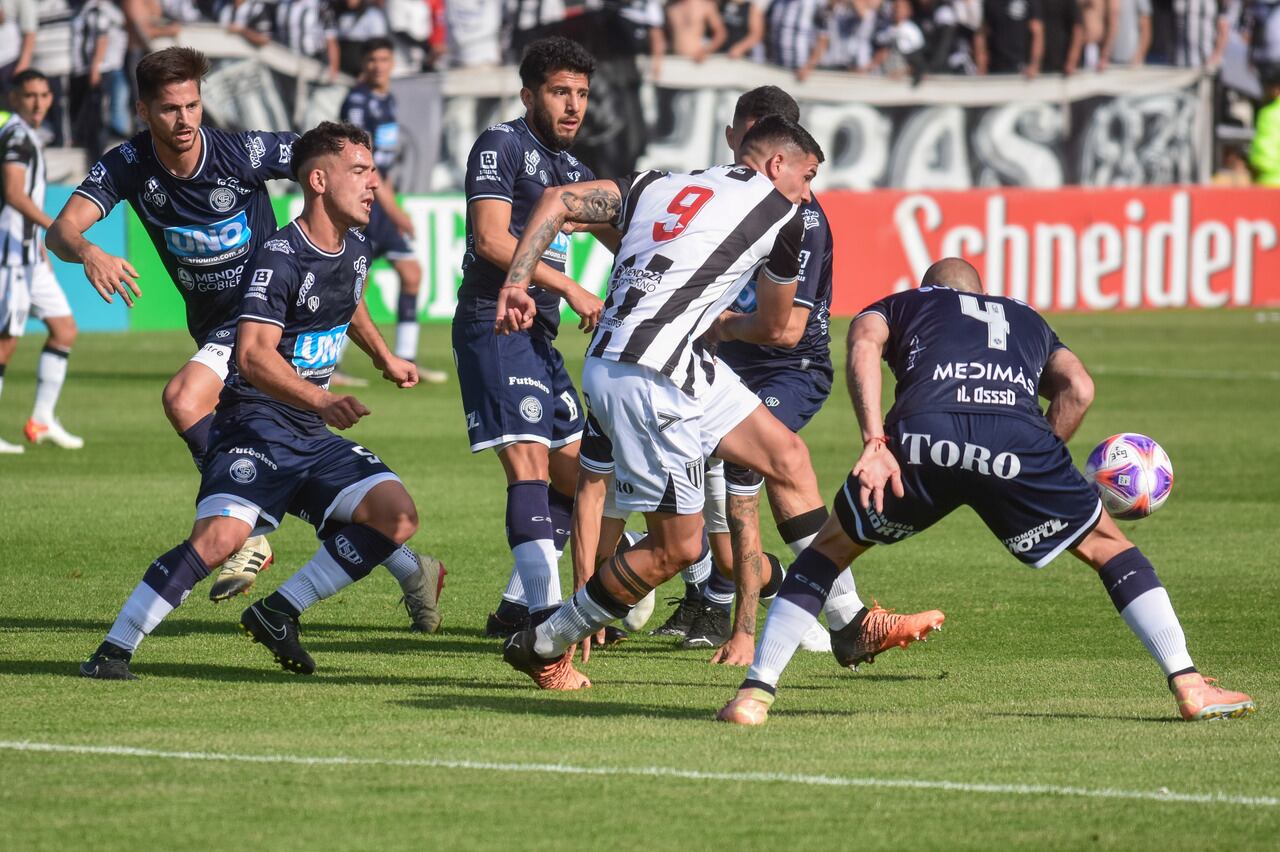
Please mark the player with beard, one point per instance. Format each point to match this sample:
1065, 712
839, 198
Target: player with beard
270, 450
516, 394
201, 195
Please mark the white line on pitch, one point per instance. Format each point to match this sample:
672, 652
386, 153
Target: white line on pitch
659, 772
1167, 373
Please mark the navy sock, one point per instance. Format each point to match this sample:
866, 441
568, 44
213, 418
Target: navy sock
197, 438
561, 506
407, 308
809, 581
528, 513
720, 591
776, 574
277, 602
358, 549
1126, 576
173, 575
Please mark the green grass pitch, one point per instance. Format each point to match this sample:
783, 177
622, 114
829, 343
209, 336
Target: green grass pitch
1026, 724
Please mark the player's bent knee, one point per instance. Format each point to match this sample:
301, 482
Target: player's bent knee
216, 540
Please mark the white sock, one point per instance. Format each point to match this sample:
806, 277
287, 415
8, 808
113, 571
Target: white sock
51, 372
723, 598
141, 613
1151, 618
578, 617
407, 340
539, 573
783, 630
843, 604
699, 572
402, 564
515, 590
320, 578
798, 546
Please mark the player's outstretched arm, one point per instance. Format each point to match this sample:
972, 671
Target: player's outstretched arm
262, 366
362, 331
876, 467
107, 273
1067, 385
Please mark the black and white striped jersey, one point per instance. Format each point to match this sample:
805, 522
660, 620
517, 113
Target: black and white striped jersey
690, 243
19, 240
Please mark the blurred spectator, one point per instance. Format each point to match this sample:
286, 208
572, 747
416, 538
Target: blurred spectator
1188, 33
1063, 36
1264, 48
357, 22
1093, 17
697, 29
249, 19
306, 27
1264, 153
146, 22
474, 32
1235, 169
98, 45
744, 28
796, 37
183, 11
412, 25
948, 29
854, 31
19, 20
644, 21
1128, 33
905, 42
1011, 39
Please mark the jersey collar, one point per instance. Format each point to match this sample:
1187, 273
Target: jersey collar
536, 140
341, 249
204, 156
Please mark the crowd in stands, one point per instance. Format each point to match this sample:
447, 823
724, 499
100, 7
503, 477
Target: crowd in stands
895, 38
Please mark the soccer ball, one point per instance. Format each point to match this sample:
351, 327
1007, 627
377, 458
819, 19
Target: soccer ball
1131, 473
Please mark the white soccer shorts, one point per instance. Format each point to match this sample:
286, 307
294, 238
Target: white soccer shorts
215, 356
15, 300
713, 510
661, 436
47, 299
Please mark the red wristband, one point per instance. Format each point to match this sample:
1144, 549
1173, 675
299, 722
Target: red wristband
879, 439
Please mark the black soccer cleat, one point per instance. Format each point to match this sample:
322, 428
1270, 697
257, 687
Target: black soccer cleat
108, 663
509, 619
711, 628
681, 620
279, 633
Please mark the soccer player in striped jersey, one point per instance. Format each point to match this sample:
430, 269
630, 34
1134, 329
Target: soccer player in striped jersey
27, 282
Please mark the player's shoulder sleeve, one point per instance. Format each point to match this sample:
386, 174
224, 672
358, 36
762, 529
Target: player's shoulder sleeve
783, 265
887, 309
631, 187
354, 107
815, 246
270, 282
494, 163
112, 178
270, 154
18, 147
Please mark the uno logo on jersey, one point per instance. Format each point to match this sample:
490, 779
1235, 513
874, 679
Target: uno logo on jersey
386, 136
680, 212
200, 245
746, 301
316, 351
558, 251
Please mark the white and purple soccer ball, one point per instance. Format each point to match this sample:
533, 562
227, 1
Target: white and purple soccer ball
1132, 475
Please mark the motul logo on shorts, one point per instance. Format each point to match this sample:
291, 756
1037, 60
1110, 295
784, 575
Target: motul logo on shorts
1023, 542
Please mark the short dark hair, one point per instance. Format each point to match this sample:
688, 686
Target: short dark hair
546, 56
171, 65
378, 43
765, 100
774, 130
327, 137
23, 77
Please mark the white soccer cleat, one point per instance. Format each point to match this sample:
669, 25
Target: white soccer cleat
816, 639
640, 613
13, 449
53, 433
432, 377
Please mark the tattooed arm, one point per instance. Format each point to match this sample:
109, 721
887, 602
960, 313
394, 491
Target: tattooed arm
592, 202
748, 577
876, 467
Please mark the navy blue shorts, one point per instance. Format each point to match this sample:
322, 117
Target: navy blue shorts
384, 239
1017, 476
514, 388
793, 396
258, 472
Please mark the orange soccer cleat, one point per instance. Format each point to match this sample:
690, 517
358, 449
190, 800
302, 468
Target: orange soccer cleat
749, 707
558, 674
879, 630
1199, 699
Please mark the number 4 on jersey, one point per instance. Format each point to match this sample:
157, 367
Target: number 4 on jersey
993, 315
683, 208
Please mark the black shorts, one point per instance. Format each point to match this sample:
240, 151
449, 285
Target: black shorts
1016, 475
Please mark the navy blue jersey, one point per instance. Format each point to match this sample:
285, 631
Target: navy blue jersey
962, 352
207, 226
375, 114
312, 296
509, 163
813, 291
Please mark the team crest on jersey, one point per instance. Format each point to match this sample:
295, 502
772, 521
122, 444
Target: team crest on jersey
244, 471
257, 149
362, 272
222, 199
154, 194
281, 246
286, 153
810, 219
542, 176
531, 409
531, 160
186, 279
129, 153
